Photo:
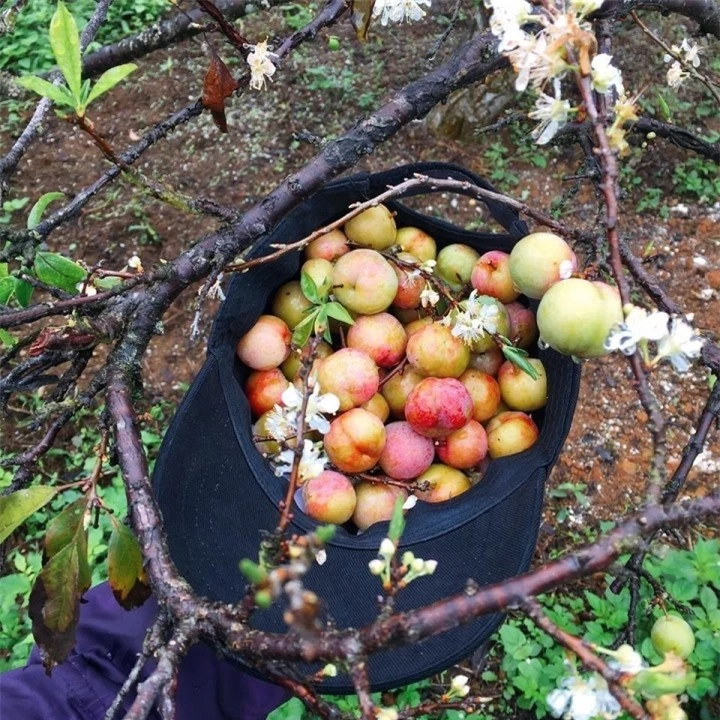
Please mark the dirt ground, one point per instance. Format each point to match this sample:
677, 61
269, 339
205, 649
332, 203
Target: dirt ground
320, 92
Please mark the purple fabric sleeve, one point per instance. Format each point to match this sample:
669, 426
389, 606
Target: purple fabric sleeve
108, 640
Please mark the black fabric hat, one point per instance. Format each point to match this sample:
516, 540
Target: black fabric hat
217, 493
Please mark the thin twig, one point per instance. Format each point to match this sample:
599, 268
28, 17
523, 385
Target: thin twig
689, 68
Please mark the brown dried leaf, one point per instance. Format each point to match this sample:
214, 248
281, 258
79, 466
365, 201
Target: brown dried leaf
219, 84
360, 17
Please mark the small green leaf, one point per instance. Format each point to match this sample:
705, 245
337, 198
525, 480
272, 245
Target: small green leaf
7, 289
58, 271
59, 94
6, 338
255, 573
109, 79
304, 329
106, 283
518, 357
325, 533
664, 107
309, 288
338, 312
126, 572
65, 44
23, 292
397, 522
40, 206
4, 271
17, 507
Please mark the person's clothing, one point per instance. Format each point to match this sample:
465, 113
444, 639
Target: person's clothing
108, 641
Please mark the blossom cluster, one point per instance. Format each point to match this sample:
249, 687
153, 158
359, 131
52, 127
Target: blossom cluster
282, 422
579, 698
413, 567
685, 55
474, 321
397, 11
676, 340
543, 56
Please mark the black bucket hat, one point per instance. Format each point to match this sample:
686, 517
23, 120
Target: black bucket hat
217, 493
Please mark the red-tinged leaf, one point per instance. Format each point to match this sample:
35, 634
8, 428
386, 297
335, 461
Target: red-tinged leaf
126, 573
55, 606
67, 527
219, 84
360, 17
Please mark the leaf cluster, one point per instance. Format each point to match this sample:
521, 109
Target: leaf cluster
74, 93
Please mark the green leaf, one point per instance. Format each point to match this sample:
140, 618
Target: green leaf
255, 573
304, 329
337, 311
17, 507
518, 357
664, 107
59, 94
397, 521
58, 271
65, 44
106, 283
55, 605
7, 289
126, 573
40, 206
6, 338
61, 530
309, 288
4, 271
23, 292
109, 79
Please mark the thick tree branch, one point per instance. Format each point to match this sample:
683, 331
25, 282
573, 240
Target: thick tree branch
706, 13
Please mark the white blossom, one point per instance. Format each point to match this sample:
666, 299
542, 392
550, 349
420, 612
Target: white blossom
262, 67
317, 404
400, 10
675, 74
428, 266
312, 461
605, 75
508, 16
690, 52
321, 556
681, 345
428, 297
459, 686
580, 699
627, 660
410, 503
387, 714
135, 263
639, 325
281, 423
376, 566
387, 548
552, 112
